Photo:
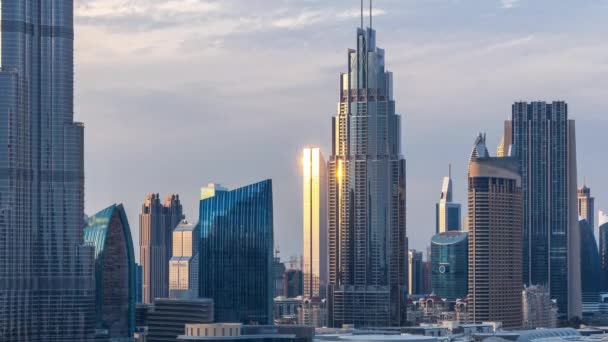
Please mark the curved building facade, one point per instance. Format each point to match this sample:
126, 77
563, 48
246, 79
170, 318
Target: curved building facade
590, 263
115, 292
236, 232
449, 265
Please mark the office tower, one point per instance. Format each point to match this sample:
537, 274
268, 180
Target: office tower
47, 288
278, 271
449, 265
586, 205
156, 224
139, 283
504, 149
447, 212
236, 253
183, 266
313, 312
427, 288
603, 230
115, 292
539, 310
495, 250
314, 223
415, 280
544, 145
293, 283
366, 196
590, 264
167, 318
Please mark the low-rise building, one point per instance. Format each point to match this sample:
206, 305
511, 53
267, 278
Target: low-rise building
227, 332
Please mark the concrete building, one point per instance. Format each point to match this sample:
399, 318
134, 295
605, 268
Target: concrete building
183, 265
314, 223
313, 312
544, 144
495, 248
366, 195
539, 310
285, 310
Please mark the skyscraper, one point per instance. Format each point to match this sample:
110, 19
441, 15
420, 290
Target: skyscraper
447, 212
449, 265
183, 266
586, 205
495, 276
603, 229
47, 286
544, 145
366, 195
115, 292
590, 264
416, 272
236, 253
156, 224
314, 223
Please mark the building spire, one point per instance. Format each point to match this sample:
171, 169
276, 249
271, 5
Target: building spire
450, 170
370, 14
362, 14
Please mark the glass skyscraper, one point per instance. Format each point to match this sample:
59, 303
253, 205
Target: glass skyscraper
46, 273
449, 265
236, 271
366, 195
314, 223
603, 230
544, 144
590, 264
183, 266
115, 273
416, 273
447, 212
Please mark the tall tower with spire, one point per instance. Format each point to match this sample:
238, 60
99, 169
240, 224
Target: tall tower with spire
366, 195
586, 205
446, 211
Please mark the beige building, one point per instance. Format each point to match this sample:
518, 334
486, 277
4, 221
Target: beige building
538, 309
314, 223
183, 266
586, 205
495, 239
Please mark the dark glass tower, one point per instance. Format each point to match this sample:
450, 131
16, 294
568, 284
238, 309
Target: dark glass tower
46, 273
590, 264
603, 229
115, 274
366, 195
544, 145
236, 253
449, 265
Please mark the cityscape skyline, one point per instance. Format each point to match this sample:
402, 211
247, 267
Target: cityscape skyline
424, 58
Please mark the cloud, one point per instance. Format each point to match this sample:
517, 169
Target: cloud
508, 4
150, 8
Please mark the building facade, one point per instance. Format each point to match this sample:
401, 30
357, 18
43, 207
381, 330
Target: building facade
590, 265
366, 196
449, 265
47, 288
448, 216
539, 310
416, 272
495, 239
115, 292
156, 223
183, 265
544, 146
314, 223
293, 283
236, 253
586, 205
166, 319
603, 230
278, 272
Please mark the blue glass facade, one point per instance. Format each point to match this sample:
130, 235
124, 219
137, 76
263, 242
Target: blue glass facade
544, 145
603, 229
590, 264
236, 230
47, 289
115, 272
449, 265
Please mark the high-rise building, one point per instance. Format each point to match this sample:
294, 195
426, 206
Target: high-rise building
495, 276
236, 253
366, 196
586, 205
183, 266
448, 217
278, 271
156, 224
167, 318
314, 223
449, 265
504, 149
603, 230
47, 287
293, 283
590, 264
415, 276
539, 310
115, 292
139, 283
545, 148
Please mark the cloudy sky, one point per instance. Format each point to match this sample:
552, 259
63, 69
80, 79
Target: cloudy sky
179, 93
